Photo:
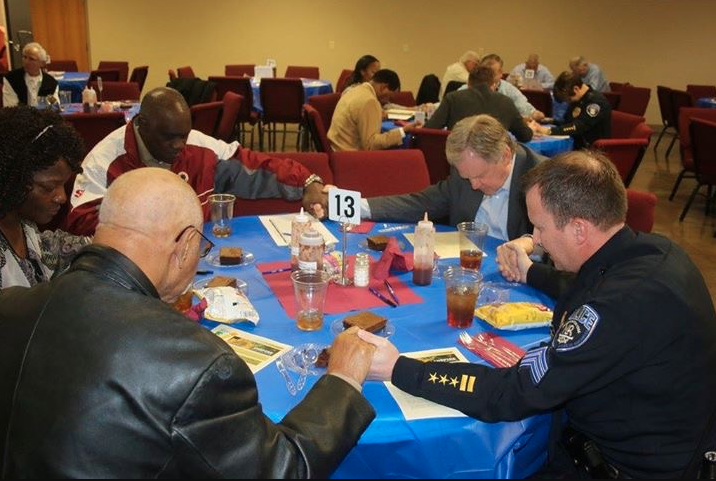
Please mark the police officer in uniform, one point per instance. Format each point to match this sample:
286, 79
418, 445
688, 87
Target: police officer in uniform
633, 353
589, 115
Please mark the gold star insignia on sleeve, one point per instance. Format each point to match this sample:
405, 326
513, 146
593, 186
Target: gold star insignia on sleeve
443, 379
433, 377
453, 381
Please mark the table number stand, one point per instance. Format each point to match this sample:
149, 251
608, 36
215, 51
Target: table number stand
345, 228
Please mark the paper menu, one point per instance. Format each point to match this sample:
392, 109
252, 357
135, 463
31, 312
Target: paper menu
279, 228
414, 407
256, 351
400, 114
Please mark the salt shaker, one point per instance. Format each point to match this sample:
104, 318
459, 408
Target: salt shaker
299, 224
361, 270
310, 251
424, 252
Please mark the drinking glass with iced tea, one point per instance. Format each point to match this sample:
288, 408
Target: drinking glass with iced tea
472, 243
462, 286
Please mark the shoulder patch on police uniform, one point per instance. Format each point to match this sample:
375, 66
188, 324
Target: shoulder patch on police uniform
576, 112
593, 110
576, 330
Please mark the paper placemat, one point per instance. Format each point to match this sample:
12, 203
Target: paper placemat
339, 299
256, 351
279, 228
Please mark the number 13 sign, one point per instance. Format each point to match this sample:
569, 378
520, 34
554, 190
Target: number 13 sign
344, 206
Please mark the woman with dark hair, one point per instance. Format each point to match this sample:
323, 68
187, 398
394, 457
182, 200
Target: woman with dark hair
365, 68
39, 152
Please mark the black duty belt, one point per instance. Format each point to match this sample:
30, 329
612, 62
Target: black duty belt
587, 456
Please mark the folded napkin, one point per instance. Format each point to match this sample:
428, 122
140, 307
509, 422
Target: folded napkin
393, 258
495, 349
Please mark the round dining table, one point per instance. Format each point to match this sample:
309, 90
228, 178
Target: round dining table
392, 447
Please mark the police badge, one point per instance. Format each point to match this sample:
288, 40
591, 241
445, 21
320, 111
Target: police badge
576, 112
576, 330
593, 110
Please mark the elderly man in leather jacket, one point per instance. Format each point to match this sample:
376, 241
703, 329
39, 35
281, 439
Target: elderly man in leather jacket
100, 377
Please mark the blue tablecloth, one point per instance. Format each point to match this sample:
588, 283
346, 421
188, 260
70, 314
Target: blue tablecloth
392, 447
128, 113
310, 87
707, 102
390, 125
551, 146
75, 82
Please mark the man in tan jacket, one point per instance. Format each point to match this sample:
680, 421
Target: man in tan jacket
357, 120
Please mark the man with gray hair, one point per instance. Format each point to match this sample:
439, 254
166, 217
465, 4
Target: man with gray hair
533, 73
483, 184
523, 105
25, 84
459, 70
590, 73
143, 391
631, 360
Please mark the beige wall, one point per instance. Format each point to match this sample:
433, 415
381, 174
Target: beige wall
645, 42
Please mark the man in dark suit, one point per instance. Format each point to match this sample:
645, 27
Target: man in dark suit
483, 184
480, 98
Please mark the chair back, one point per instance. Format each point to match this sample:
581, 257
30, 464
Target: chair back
226, 129
172, 74
380, 172
241, 86
431, 142
316, 162
540, 99
62, 66
342, 79
640, 210
402, 97
701, 91
282, 100
239, 70
680, 99
326, 105
317, 129
703, 148
94, 127
617, 86
452, 85
613, 98
205, 117
139, 76
113, 91
666, 109
295, 71
185, 72
625, 154
686, 114
634, 100
623, 124
194, 90
429, 90
122, 67
108, 75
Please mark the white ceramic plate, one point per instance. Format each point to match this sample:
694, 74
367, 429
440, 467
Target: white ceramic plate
387, 331
246, 260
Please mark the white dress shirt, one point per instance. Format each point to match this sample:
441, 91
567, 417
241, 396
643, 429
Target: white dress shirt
493, 208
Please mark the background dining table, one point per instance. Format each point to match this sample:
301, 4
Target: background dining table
392, 446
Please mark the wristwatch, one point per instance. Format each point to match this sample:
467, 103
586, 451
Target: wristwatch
311, 179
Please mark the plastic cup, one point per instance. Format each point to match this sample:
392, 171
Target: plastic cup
310, 289
222, 210
65, 97
472, 244
462, 286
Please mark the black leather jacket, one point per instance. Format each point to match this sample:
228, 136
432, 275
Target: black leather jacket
99, 378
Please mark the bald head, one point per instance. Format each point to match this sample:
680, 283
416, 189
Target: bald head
147, 214
164, 123
151, 201
532, 61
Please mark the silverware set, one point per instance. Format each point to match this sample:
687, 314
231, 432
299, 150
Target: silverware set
481, 345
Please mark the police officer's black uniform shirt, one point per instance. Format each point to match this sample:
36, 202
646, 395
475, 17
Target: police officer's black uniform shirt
632, 359
587, 119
